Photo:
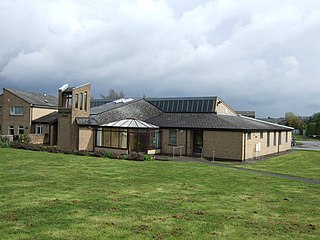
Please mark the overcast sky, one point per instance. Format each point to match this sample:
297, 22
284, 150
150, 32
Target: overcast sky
256, 55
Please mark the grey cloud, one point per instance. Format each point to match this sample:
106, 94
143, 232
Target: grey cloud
261, 56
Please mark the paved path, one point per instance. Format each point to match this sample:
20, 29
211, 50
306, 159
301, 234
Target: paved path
308, 145
199, 160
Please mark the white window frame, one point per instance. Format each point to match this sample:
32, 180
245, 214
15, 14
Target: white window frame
9, 129
14, 111
21, 128
173, 136
39, 129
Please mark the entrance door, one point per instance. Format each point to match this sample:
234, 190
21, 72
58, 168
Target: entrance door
197, 142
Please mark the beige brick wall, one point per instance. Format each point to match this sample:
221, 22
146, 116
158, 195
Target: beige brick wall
11, 100
37, 138
64, 131
225, 144
86, 138
68, 130
223, 108
265, 149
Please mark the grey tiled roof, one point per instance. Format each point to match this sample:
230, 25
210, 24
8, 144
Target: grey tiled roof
138, 109
211, 121
37, 99
49, 118
144, 111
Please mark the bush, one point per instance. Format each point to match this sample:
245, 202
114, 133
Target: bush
24, 138
136, 156
4, 142
97, 153
147, 157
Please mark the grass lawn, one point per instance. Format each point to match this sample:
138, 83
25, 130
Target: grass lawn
300, 163
304, 138
56, 196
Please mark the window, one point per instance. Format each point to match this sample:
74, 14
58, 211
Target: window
67, 100
274, 138
113, 138
279, 138
16, 110
11, 130
268, 139
76, 101
85, 100
81, 101
249, 136
39, 129
261, 135
154, 139
286, 136
172, 137
21, 130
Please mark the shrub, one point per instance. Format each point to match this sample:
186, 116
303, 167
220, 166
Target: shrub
81, 152
97, 153
147, 157
108, 155
136, 156
4, 142
24, 138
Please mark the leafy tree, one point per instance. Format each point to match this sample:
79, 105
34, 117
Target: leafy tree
314, 124
293, 120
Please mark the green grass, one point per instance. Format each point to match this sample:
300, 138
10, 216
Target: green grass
304, 138
300, 163
56, 196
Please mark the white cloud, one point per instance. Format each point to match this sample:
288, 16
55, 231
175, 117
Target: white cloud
255, 55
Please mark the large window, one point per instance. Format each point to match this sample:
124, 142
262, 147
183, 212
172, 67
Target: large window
11, 130
154, 139
172, 137
112, 138
286, 136
274, 138
140, 139
16, 110
85, 100
81, 101
76, 101
268, 139
261, 135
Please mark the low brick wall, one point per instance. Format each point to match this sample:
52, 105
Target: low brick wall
37, 138
9, 137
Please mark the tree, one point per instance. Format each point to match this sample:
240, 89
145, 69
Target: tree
314, 124
113, 95
293, 121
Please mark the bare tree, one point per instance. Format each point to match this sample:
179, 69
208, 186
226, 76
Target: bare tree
113, 94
